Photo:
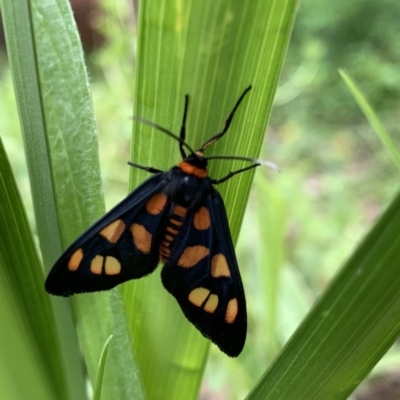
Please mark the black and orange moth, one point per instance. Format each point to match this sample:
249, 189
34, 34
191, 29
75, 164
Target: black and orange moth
177, 218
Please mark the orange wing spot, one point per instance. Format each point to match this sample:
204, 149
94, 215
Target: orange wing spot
198, 295
201, 220
179, 210
113, 231
192, 170
156, 204
231, 311
192, 255
141, 238
96, 266
112, 266
75, 260
219, 266
171, 230
211, 304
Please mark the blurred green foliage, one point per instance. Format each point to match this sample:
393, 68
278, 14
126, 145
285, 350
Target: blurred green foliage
359, 36
336, 175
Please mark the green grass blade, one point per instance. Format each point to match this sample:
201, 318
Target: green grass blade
22, 374
26, 317
349, 329
373, 119
271, 221
212, 51
100, 373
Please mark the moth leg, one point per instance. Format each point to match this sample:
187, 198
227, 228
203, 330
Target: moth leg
233, 173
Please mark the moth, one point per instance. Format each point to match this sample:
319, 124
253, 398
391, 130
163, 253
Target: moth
176, 218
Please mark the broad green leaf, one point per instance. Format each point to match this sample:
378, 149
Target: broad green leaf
72, 140
58, 124
22, 56
211, 51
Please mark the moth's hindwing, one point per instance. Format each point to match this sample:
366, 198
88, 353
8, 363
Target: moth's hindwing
203, 275
122, 245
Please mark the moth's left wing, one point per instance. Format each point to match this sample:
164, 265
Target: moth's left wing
203, 275
122, 245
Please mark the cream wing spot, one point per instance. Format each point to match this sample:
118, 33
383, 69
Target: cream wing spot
201, 220
112, 266
141, 238
231, 311
198, 295
211, 304
219, 266
75, 260
96, 266
192, 255
113, 231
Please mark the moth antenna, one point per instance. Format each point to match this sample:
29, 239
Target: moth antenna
164, 130
265, 163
